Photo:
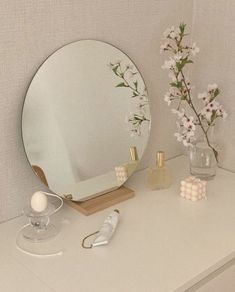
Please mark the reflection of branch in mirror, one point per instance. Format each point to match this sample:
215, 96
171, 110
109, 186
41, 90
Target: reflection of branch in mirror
128, 74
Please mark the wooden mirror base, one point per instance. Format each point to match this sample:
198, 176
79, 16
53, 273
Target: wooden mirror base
99, 203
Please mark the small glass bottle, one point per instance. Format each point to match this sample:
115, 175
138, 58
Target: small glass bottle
159, 177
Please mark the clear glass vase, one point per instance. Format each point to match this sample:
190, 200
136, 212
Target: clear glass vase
202, 161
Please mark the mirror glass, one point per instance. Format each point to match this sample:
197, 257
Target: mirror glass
86, 119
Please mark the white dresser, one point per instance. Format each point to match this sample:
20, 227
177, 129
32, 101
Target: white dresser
163, 243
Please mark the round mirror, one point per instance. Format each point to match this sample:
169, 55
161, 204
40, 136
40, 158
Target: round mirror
86, 119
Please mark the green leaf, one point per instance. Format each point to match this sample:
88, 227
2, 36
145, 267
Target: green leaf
176, 84
134, 94
182, 27
188, 61
179, 84
173, 84
122, 84
115, 70
180, 65
216, 92
214, 116
136, 84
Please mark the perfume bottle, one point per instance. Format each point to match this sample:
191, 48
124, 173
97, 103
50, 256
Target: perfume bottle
159, 177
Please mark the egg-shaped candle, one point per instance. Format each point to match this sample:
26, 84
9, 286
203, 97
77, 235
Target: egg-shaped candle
39, 201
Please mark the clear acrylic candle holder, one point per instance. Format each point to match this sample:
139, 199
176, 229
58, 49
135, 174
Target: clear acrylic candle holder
40, 228
37, 237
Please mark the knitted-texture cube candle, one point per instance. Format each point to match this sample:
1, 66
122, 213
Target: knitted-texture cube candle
121, 173
193, 189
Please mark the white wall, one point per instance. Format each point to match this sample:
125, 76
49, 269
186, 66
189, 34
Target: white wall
213, 30
31, 30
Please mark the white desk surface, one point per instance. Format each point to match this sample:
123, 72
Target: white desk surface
162, 243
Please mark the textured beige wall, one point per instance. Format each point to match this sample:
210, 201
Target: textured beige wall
213, 30
31, 30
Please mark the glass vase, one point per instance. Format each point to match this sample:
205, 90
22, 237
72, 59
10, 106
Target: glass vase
202, 160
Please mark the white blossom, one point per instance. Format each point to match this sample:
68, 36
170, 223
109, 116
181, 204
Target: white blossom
174, 91
129, 117
224, 114
187, 129
171, 33
187, 143
164, 47
185, 138
190, 134
204, 97
179, 137
172, 94
213, 105
190, 86
213, 108
129, 74
209, 109
206, 113
133, 134
177, 57
125, 66
172, 76
180, 114
167, 32
188, 138
116, 63
212, 87
168, 98
169, 64
221, 112
195, 49
175, 34
188, 123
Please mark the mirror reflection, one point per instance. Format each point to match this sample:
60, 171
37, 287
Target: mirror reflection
86, 119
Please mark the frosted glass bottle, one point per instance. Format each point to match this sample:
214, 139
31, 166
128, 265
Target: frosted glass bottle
159, 177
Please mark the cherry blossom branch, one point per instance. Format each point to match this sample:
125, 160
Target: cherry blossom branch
198, 118
180, 90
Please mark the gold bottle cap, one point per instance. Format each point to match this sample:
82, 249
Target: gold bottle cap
134, 154
160, 158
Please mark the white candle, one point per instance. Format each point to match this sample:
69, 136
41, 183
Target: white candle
193, 189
